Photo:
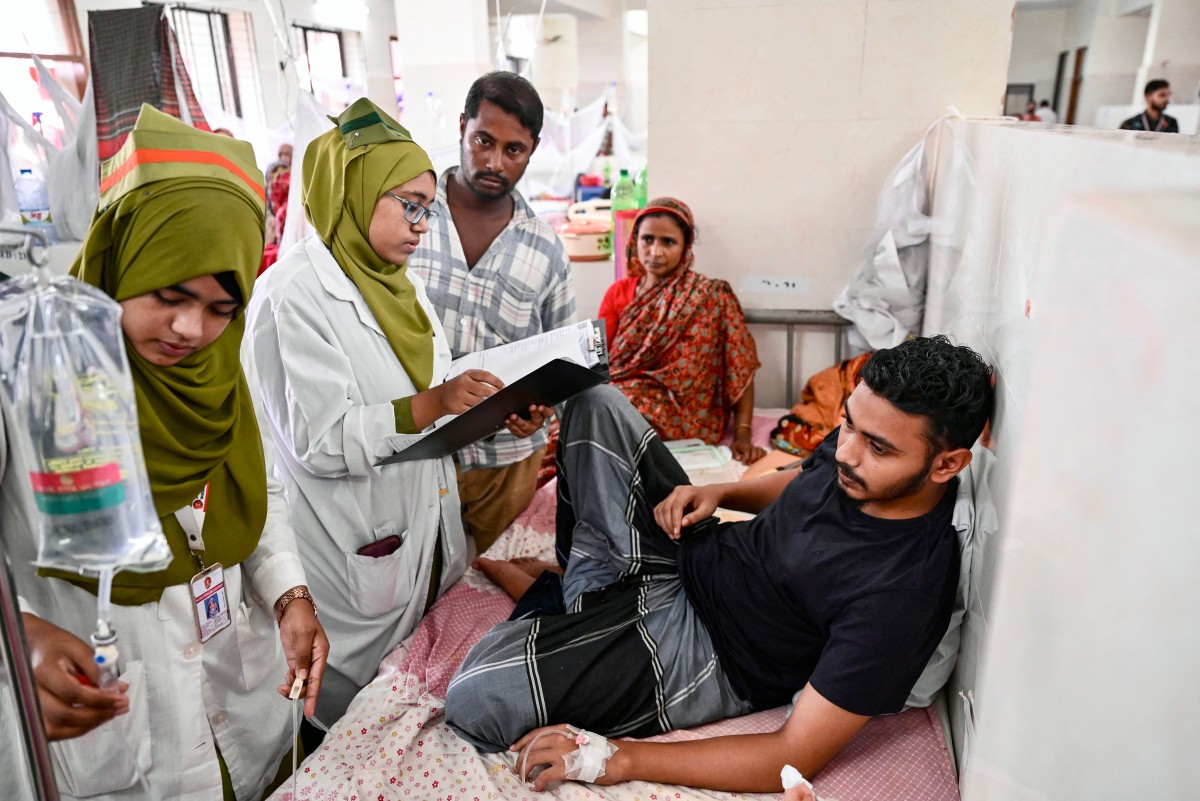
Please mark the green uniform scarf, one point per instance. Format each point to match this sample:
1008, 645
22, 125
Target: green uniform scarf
178, 204
346, 172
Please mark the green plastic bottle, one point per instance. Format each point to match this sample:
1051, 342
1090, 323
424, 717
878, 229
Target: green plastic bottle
643, 188
624, 209
624, 195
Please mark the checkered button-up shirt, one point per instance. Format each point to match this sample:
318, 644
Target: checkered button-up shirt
520, 287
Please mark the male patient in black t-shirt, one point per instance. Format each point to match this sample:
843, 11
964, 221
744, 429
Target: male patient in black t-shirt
841, 587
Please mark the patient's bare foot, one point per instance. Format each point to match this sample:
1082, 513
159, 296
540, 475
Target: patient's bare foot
534, 566
509, 577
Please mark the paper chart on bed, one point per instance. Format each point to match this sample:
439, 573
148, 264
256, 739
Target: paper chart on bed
545, 370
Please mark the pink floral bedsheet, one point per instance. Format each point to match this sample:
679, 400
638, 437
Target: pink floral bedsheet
393, 742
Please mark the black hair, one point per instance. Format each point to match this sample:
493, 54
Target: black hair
948, 384
510, 92
228, 282
1155, 85
1045, 104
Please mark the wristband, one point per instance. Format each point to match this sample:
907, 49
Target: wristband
291, 595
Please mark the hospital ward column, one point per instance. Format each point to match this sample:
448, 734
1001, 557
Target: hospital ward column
495, 274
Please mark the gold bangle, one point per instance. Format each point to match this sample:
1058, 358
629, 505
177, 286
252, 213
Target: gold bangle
291, 595
743, 425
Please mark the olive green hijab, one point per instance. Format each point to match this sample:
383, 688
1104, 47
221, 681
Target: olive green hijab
346, 172
178, 204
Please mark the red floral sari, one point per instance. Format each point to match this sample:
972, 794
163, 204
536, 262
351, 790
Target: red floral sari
682, 354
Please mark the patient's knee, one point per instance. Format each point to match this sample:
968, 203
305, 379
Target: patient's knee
475, 716
603, 403
489, 702
604, 396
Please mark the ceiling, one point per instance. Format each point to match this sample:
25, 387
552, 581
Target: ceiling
584, 9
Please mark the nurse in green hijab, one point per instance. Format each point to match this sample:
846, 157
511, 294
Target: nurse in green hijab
176, 240
351, 360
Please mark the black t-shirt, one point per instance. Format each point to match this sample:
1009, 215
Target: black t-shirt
814, 590
1141, 122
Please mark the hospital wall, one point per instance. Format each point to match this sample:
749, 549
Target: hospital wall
779, 121
1037, 42
1068, 259
439, 67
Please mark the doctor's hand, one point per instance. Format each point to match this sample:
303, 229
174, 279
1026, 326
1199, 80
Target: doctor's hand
306, 648
466, 390
455, 396
64, 669
521, 428
686, 506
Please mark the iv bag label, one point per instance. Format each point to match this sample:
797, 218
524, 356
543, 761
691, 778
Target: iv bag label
79, 491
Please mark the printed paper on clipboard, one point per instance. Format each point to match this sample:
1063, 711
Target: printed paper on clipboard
544, 370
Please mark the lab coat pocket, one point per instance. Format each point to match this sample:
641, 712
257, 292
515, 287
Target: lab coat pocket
379, 585
107, 759
258, 645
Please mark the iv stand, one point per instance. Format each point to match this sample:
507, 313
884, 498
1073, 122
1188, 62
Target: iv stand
25, 691
12, 629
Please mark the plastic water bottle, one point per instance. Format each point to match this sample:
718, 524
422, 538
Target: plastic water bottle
643, 187
623, 194
34, 202
624, 206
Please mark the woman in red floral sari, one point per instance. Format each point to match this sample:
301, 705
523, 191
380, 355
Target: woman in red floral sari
678, 344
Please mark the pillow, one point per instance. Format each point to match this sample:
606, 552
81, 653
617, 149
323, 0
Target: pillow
975, 520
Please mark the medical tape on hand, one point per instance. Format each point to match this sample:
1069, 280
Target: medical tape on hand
586, 763
792, 778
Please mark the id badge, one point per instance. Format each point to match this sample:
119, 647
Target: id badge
211, 602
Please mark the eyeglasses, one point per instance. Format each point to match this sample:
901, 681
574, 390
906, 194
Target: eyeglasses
414, 212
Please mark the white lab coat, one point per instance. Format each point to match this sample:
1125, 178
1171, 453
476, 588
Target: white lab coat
182, 692
327, 376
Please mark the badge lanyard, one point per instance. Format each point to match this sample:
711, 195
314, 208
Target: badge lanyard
1157, 126
210, 602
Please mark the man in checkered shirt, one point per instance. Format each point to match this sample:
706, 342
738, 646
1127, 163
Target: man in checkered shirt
496, 273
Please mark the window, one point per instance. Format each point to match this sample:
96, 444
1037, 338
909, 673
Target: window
49, 28
331, 64
218, 47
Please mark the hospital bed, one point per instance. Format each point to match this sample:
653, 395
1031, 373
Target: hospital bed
393, 741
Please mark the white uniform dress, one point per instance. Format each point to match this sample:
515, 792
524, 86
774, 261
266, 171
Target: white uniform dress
182, 693
327, 376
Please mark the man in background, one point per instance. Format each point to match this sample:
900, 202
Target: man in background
496, 274
1153, 119
1046, 114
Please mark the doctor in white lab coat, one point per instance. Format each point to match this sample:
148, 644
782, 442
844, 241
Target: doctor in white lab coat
349, 356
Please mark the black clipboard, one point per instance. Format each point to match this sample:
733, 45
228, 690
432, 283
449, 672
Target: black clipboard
549, 385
